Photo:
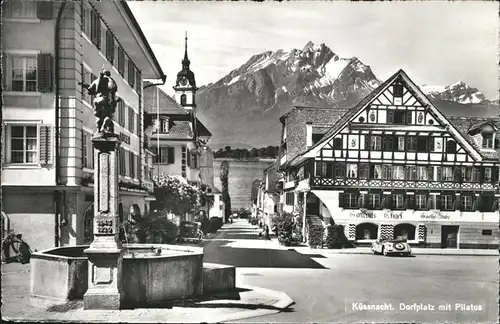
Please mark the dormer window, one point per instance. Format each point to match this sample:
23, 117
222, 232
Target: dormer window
164, 125
488, 140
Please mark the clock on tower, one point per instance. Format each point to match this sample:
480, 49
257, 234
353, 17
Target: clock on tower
185, 85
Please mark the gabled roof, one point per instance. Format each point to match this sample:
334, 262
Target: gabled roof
365, 101
167, 105
202, 130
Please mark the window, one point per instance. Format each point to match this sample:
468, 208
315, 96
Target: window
351, 200
165, 156
121, 60
422, 173
411, 172
316, 138
317, 169
398, 90
130, 119
487, 175
110, 46
164, 125
88, 225
375, 171
364, 171
86, 19
467, 174
95, 29
374, 200
20, 9
423, 144
338, 143
327, 170
400, 117
398, 172
87, 77
447, 202
340, 170
289, 198
386, 172
132, 165
487, 232
398, 201
401, 143
447, 173
451, 146
352, 170
466, 203
388, 143
476, 175
24, 73
420, 201
411, 143
183, 100
375, 142
432, 202
488, 140
23, 144
121, 113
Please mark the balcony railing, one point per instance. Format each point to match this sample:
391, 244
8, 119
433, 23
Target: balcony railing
402, 184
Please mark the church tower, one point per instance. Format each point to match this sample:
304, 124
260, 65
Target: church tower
185, 85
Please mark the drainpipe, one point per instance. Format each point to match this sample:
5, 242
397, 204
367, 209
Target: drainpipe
57, 195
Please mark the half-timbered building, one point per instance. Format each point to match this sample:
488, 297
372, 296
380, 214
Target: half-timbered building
394, 166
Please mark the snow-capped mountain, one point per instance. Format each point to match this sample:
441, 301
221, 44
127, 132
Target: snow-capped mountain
251, 98
459, 92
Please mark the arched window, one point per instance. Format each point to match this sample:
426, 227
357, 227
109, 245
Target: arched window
183, 100
404, 231
451, 146
366, 231
88, 224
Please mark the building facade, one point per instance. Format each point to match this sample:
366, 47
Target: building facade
49, 48
394, 166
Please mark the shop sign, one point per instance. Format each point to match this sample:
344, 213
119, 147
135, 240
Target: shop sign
393, 215
362, 214
435, 215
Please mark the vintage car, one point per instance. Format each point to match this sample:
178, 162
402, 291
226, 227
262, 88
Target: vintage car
189, 232
389, 247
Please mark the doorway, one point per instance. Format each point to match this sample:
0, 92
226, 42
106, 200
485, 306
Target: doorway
449, 236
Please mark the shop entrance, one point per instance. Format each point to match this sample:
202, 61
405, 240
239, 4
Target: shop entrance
449, 236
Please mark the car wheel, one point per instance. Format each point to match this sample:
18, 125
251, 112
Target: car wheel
373, 251
384, 251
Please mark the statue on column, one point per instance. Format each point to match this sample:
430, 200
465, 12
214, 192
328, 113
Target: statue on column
104, 89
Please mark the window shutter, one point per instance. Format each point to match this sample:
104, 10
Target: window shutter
109, 46
341, 200
494, 174
44, 10
92, 26
170, 155
431, 144
430, 173
390, 116
4, 68
438, 201
98, 31
188, 158
138, 121
44, 69
45, 147
408, 117
439, 176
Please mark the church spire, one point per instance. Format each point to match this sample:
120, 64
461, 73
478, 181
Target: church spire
185, 61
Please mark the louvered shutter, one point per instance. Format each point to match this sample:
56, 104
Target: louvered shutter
430, 173
98, 31
390, 116
4, 71
341, 200
109, 45
44, 10
438, 202
431, 145
3, 147
45, 147
439, 174
408, 117
44, 69
494, 174
138, 126
92, 26
170, 155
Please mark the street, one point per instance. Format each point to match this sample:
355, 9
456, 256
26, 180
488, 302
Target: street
351, 287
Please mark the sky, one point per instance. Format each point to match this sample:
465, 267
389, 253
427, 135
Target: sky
435, 42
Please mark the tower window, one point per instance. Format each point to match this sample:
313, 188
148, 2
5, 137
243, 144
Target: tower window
183, 100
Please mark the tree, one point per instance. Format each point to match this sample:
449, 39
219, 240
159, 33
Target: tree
175, 195
224, 173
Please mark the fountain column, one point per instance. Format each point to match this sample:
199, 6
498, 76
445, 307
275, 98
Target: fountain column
104, 254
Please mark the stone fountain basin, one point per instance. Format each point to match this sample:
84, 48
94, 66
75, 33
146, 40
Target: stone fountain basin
147, 276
